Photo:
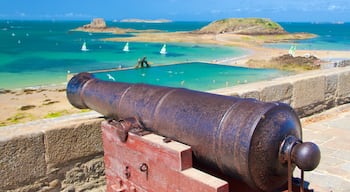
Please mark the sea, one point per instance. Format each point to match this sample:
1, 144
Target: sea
43, 53
330, 36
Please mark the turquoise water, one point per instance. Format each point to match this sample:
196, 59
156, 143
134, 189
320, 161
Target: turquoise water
195, 75
36, 53
330, 36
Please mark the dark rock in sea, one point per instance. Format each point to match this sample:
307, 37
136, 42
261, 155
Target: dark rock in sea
308, 63
4, 91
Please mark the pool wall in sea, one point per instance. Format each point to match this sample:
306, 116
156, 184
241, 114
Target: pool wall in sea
194, 75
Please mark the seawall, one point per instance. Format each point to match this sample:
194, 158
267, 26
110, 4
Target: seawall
66, 153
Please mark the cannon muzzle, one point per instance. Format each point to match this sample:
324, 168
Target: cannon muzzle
245, 139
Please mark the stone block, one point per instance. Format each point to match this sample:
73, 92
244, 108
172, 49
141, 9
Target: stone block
278, 92
250, 94
86, 175
22, 160
344, 85
308, 91
331, 86
73, 141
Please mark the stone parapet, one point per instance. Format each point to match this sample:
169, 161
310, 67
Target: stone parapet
22, 160
66, 154
50, 154
307, 93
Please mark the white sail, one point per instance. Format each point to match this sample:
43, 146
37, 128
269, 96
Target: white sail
126, 47
292, 50
83, 47
163, 50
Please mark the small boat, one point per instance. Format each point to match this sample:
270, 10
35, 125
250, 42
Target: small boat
126, 47
83, 47
163, 50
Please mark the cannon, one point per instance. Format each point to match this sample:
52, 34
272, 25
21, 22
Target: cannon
258, 143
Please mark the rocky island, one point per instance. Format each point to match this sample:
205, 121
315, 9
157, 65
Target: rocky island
98, 25
254, 30
248, 26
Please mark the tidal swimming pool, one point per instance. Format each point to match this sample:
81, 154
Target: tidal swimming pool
195, 75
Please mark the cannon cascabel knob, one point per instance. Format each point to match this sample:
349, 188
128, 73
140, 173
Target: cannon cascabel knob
306, 155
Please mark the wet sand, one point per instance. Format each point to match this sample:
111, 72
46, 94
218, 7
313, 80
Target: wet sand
18, 106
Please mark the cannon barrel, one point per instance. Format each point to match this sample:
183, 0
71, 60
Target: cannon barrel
245, 139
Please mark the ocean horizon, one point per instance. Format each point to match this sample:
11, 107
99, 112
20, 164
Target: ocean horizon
41, 53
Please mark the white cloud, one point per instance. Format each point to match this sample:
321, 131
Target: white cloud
69, 14
215, 11
21, 14
333, 7
73, 15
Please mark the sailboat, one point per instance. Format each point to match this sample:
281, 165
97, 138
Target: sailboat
83, 47
126, 47
292, 50
163, 50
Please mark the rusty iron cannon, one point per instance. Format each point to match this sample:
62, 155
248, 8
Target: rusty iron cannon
256, 142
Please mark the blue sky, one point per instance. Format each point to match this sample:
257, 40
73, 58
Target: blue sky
177, 10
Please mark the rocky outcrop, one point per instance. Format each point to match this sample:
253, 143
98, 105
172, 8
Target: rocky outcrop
308, 63
343, 63
247, 26
97, 23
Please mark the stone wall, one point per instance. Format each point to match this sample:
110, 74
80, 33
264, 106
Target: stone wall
52, 155
307, 93
66, 154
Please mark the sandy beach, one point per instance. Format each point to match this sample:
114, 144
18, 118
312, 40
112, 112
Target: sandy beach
24, 105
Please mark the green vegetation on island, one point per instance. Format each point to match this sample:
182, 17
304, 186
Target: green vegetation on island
243, 26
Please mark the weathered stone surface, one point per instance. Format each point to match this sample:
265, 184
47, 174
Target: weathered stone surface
279, 92
331, 86
308, 91
73, 141
83, 173
310, 109
28, 188
250, 94
344, 85
22, 160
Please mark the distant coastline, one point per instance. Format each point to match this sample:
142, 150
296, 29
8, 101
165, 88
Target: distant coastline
246, 33
145, 21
